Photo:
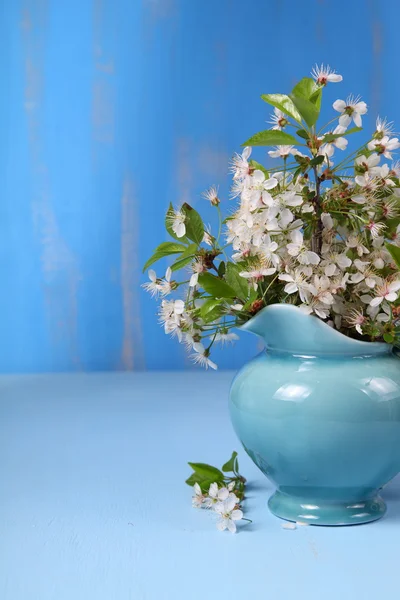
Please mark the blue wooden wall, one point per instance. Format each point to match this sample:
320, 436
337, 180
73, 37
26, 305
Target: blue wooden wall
110, 109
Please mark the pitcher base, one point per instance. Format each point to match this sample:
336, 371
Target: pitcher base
318, 512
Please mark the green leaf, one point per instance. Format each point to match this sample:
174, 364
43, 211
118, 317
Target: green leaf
316, 98
389, 339
208, 306
217, 288
307, 109
309, 89
271, 137
303, 134
284, 103
190, 250
221, 269
395, 252
207, 471
237, 283
316, 161
215, 314
194, 224
203, 482
259, 166
230, 464
164, 249
301, 159
297, 172
330, 137
181, 262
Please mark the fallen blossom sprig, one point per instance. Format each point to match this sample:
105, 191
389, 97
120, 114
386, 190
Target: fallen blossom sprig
223, 494
320, 233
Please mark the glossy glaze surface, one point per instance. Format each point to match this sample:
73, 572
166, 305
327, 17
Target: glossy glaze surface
323, 423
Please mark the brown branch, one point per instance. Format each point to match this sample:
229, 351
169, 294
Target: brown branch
316, 239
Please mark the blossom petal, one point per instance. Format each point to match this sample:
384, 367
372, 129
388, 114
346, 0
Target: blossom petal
180, 230
194, 280
393, 287
285, 277
267, 198
246, 152
341, 143
231, 526
179, 306
344, 120
230, 503
392, 297
222, 524
376, 301
373, 160
330, 270
223, 493
212, 364
213, 491
258, 176
236, 515
291, 288
361, 108
334, 78
198, 347
270, 183
339, 105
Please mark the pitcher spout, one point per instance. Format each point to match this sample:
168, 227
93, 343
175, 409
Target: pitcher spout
286, 328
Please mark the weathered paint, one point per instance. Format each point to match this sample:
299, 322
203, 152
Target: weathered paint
112, 109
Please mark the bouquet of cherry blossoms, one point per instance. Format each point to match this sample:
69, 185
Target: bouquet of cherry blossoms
316, 231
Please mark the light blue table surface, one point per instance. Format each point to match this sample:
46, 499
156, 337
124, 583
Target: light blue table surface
94, 505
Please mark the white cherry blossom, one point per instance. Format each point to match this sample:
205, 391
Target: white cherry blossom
152, 286
383, 128
369, 164
278, 119
177, 223
240, 165
211, 195
259, 193
355, 241
351, 109
328, 149
297, 248
166, 284
197, 267
297, 282
258, 273
201, 356
226, 337
216, 494
283, 152
356, 319
325, 74
228, 514
386, 291
198, 497
384, 146
171, 312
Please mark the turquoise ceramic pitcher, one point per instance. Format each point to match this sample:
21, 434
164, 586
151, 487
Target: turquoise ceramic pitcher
319, 414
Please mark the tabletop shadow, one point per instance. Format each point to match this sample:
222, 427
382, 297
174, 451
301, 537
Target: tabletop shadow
259, 485
391, 495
